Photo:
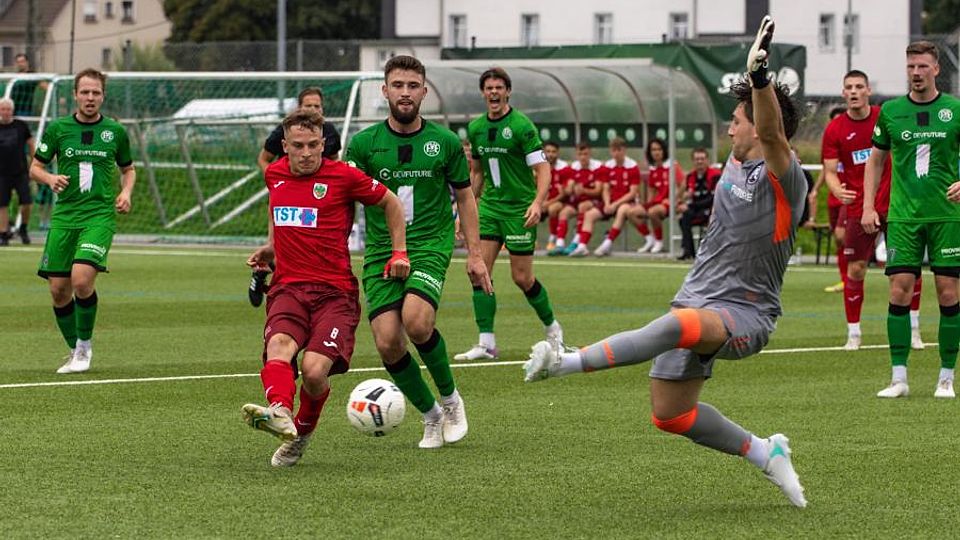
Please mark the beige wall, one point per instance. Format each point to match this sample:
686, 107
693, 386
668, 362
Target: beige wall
149, 27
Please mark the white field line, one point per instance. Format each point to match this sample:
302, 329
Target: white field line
357, 370
233, 252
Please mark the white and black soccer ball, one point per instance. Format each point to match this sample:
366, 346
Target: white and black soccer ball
376, 407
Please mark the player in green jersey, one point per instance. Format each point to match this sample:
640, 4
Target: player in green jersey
922, 131
420, 161
505, 147
88, 147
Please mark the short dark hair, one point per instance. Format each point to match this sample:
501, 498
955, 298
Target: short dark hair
789, 113
496, 73
663, 146
91, 74
924, 47
857, 73
405, 63
583, 146
304, 119
551, 143
308, 91
699, 150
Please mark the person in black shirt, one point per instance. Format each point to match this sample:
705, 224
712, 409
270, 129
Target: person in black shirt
310, 98
15, 139
701, 182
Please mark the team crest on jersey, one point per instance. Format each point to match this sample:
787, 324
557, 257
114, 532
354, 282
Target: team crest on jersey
319, 190
431, 148
43, 147
876, 130
945, 115
507, 133
754, 176
106, 135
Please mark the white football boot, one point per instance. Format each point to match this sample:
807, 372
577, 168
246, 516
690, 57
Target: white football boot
895, 390
779, 470
945, 389
290, 452
478, 352
276, 420
432, 434
454, 421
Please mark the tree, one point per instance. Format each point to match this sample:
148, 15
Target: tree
256, 20
941, 16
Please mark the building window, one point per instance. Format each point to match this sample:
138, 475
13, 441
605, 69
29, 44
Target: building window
529, 30
89, 11
826, 36
106, 58
679, 26
458, 31
851, 32
6, 52
108, 10
602, 28
127, 7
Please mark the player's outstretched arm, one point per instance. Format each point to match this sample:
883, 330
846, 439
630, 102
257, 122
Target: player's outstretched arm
872, 172
766, 110
470, 229
398, 267
839, 189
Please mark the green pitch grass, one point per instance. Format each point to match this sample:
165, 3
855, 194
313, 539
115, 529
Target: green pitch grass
567, 458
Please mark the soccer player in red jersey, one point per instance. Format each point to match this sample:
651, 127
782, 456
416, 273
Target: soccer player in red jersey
589, 178
557, 197
656, 208
697, 204
847, 143
313, 302
836, 214
620, 193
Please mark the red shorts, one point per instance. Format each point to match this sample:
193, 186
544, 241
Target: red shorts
320, 318
858, 245
837, 216
650, 204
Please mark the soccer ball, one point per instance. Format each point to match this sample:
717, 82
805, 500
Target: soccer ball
376, 407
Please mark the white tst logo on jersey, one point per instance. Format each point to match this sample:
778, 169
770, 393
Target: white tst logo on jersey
294, 216
860, 156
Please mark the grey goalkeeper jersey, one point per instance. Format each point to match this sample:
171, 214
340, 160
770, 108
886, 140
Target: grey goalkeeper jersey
744, 254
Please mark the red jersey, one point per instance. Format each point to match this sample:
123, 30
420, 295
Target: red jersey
588, 178
311, 218
850, 142
558, 179
659, 181
622, 177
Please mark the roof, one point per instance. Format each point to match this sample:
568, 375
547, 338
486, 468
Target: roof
14, 19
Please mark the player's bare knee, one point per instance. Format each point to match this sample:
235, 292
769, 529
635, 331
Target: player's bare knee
390, 346
315, 377
281, 346
61, 292
419, 329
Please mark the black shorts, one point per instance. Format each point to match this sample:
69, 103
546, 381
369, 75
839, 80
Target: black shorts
18, 182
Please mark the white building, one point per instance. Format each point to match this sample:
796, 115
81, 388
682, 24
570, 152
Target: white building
879, 29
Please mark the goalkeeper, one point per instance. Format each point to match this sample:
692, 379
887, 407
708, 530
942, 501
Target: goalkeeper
729, 303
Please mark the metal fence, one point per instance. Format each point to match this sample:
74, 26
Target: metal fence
302, 55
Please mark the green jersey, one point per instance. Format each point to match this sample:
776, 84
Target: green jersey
925, 141
506, 148
419, 168
89, 154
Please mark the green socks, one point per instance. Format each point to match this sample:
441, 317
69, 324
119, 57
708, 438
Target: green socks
484, 309
949, 337
537, 298
433, 352
86, 316
898, 334
67, 322
406, 373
